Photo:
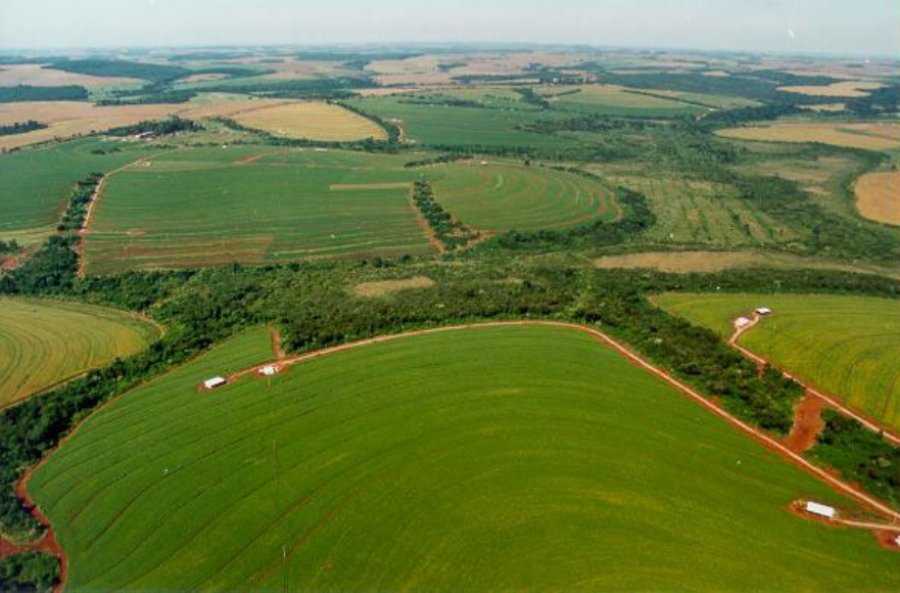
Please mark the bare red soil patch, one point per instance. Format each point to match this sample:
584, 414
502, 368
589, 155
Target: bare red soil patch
808, 423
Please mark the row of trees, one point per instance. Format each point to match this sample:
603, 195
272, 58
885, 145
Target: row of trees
79, 202
452, 233
20, 127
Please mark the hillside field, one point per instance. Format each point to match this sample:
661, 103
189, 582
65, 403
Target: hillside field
848, 346
311, 120
45, 342
500, 458
258, 205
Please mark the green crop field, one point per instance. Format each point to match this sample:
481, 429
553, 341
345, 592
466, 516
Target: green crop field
504, 458
618, 101
848, 346
214, 206
252, 204
35, 184
45, 342
501, 197
437, 124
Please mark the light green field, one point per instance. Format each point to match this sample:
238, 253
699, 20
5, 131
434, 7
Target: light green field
848, 346
251, 204
43, 343
434, 124
209, 207
702, 212
35, 184
619, 101
513, 458
502, 197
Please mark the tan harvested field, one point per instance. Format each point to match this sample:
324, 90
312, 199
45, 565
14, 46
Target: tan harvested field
878, 196
74, 118
313, 120
870, 136
34, 75
715, 261
385, 287
848, 88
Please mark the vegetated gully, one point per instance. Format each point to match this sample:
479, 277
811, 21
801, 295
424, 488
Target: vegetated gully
50, 545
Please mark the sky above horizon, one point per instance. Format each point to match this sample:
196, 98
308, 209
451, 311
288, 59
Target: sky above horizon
869, 27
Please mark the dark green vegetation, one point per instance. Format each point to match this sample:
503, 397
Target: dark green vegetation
11, 94
31, 572
451, 233
164, 127
73, 217
487, 457
121, 68
21, 127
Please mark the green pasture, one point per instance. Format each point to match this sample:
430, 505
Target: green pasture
618, 101
846, 345
45, 342
35, 183
502, 197
437, 124
511, 458
211, 206
253, 204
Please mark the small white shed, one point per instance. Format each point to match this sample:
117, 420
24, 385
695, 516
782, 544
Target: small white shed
214, 382
763, 311
269, 370
897, 541
820, 510
741, 322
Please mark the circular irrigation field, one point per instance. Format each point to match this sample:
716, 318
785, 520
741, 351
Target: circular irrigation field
492, 458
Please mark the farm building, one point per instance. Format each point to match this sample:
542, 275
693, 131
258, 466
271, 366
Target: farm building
820, 510
214, 382
897, 541
269, 370
741, 322
763, 311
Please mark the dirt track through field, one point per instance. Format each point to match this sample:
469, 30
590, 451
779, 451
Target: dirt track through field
49, 543
830, 400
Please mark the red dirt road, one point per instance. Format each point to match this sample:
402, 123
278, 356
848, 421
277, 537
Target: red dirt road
831, 400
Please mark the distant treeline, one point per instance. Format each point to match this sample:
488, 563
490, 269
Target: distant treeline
121, 69
164, 127
11, 94
21, 127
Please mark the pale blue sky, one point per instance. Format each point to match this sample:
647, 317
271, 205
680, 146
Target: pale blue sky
865, 27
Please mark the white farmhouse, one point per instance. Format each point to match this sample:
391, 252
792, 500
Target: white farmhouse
763, 311
741, 322
214, 382
820, 510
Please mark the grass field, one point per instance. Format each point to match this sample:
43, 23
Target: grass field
515, 458
435, 124
35, 184
700, 212
45, 342
616, 100
878, 196
870, 136
848, 346
256, 204
312, 120
502, 197
212, 206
